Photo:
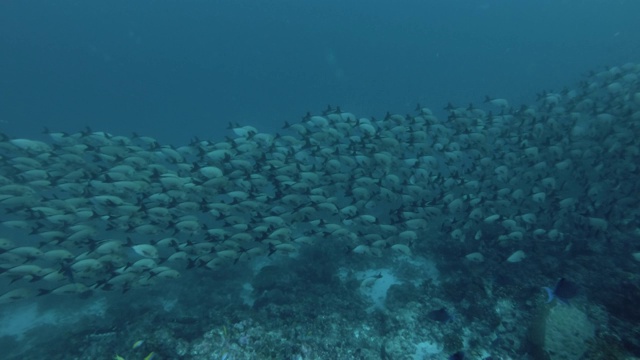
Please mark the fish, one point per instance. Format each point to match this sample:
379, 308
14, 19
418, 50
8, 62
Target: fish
441, 315
17, 294
564, 291
146, 250
457, 356
507, 174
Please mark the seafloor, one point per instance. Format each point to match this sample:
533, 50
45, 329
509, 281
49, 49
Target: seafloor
313, 307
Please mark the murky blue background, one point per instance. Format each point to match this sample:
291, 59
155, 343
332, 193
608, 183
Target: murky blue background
175, 69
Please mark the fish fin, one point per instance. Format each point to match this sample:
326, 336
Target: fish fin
550, 294
43, 292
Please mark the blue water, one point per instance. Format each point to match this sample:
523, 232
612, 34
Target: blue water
175, 69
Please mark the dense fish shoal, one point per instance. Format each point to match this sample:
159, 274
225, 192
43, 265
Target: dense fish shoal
92, 211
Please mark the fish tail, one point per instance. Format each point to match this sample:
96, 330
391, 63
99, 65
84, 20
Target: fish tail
550, 294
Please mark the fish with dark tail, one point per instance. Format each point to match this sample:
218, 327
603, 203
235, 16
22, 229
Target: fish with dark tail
564, 291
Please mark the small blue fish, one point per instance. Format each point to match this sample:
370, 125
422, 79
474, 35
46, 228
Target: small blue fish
563, 291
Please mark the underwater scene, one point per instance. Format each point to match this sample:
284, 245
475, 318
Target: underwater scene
173, 184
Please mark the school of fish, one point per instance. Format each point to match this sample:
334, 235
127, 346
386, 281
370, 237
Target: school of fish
91, 211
